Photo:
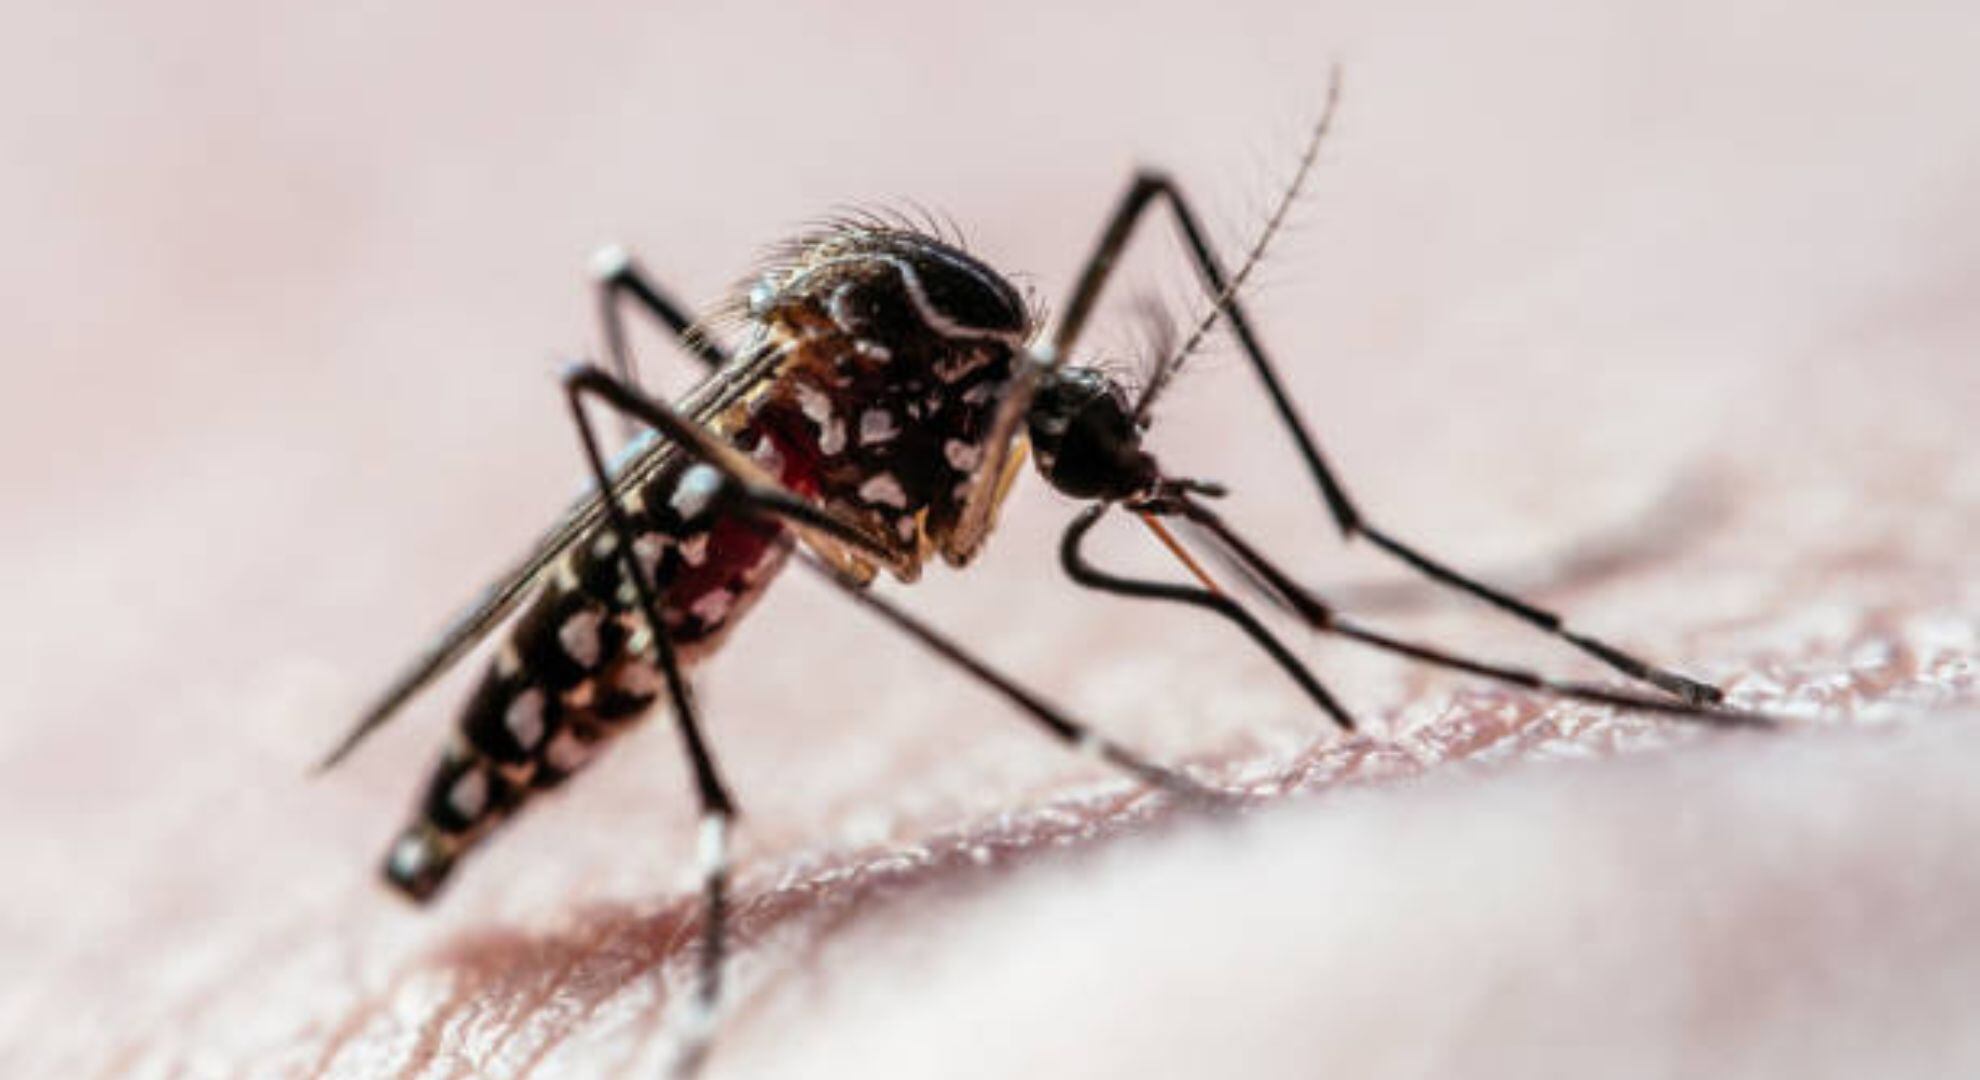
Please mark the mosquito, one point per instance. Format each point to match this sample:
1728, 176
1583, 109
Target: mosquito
872, 417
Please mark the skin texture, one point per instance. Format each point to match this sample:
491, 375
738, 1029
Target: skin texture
1566, 273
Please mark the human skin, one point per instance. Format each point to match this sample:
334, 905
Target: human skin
284, 293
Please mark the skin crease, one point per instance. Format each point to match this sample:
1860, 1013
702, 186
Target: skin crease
282, 293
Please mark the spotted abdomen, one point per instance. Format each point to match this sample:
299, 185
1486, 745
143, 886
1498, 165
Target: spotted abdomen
576, 669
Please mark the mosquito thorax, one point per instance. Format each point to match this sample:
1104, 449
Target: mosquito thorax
1084, 438
896, 346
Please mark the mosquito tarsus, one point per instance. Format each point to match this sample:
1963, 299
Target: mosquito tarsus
871, 418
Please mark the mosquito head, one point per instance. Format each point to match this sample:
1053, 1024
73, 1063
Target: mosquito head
1084, 436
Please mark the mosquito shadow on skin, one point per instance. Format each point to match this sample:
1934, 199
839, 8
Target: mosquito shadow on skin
524, 992
514, 997
1690, 509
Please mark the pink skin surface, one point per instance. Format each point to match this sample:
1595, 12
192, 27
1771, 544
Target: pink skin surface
284, 293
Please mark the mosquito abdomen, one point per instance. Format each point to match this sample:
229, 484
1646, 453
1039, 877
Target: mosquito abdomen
574, 671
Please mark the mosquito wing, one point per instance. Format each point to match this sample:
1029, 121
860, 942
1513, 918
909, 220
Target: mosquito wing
637, 464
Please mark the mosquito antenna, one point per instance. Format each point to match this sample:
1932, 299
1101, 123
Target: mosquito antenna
1166, 370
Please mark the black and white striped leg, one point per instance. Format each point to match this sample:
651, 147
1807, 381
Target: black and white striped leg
716, 806
1149, 188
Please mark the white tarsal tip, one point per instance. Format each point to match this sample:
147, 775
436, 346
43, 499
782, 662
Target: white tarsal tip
714, 846
697, 1024
609, 261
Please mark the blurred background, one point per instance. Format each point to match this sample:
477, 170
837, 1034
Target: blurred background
284, 296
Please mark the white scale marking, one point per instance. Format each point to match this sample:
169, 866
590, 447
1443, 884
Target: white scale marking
877, 426
579, 637
766, 455
884, 490
648, 548
813, 402
817, 407
838, 306
567, 752
713, 607
695, 490
714, 845
938, 320
469, 795
524, 718
639, 680
962, 456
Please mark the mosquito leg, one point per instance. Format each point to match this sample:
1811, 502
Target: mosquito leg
1085, 573
745, 494
1150, 188
716, 806
1274, 583
1056, 722
619, 278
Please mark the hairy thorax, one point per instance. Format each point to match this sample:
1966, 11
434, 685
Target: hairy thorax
895, 349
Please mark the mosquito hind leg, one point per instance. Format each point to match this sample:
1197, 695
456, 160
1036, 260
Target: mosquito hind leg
751, 495
1064, 728
747, 492
716, 807
1151, 188
1072, 557
1275, 585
